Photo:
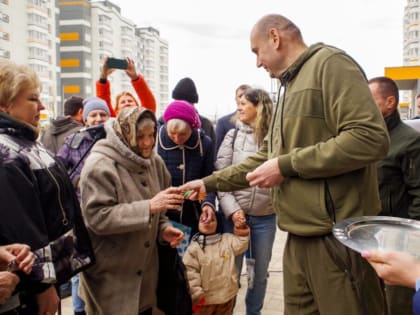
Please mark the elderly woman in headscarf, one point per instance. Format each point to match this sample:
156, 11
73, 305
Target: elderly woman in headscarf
188, 154
125, 189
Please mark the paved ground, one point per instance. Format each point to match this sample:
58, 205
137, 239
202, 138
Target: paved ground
273, 303
274, 297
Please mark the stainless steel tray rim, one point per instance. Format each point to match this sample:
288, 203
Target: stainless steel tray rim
379, 232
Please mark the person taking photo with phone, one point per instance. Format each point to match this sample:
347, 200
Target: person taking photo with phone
125, 98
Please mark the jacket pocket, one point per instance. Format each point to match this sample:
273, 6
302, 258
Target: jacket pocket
386, 200
104, 248
301, 207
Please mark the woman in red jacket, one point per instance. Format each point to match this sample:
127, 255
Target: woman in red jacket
125, 98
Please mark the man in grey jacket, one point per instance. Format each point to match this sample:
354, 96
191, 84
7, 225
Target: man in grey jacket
72, 121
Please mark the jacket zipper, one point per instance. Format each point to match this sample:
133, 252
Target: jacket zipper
64, 220
329, 203
183, 178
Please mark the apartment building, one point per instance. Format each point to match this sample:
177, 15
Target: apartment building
411, 27
91, 30
28, 36
65, 42
152, 50
114, 36
75, 50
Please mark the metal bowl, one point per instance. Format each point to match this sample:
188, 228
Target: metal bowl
379, 233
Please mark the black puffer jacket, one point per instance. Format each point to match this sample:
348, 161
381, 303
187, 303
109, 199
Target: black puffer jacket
399, 171
38, 202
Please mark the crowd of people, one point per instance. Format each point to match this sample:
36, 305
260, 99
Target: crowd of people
156, 215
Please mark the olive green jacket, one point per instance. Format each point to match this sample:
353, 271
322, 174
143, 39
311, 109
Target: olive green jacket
326, 133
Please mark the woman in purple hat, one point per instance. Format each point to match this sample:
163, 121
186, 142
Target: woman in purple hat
188, 154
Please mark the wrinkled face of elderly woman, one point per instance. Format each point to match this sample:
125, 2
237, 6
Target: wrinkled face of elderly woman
178, 130
146, 137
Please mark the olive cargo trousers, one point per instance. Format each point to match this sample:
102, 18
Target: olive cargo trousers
322, 276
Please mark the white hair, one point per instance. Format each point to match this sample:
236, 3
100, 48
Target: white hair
176, 124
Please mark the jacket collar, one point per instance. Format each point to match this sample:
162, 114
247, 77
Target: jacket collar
294, 68
392, 120
167, 144
14, 127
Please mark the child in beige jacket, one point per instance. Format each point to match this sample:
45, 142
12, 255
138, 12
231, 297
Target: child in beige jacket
210, 265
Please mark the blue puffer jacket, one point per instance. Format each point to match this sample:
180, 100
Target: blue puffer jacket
192, 160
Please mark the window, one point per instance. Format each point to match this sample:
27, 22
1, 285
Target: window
38, 36
39, 53
4, 17
4, 53
103, 19
38, 20
4, 36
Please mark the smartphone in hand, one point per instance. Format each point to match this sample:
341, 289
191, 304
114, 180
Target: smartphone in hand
116, 63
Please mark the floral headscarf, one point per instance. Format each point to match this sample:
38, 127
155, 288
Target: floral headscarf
125, 125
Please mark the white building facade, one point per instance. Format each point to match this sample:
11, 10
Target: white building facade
153, 52
28, 36
65, 42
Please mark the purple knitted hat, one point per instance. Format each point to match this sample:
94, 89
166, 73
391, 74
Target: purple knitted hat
184, 111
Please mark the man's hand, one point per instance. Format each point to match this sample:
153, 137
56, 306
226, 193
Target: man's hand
396, 268
8, 282
170, 198
194, 190
172, 235
266, 175
48, 301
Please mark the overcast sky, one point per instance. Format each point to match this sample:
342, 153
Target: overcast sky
209, 40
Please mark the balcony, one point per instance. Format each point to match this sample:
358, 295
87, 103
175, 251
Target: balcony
4, 53
4, 17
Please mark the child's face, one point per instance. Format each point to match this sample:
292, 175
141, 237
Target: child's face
207, 225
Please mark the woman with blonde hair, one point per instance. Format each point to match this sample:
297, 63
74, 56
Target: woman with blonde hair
38, 202
253, 119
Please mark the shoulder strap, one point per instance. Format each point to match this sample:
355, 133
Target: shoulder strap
235, 133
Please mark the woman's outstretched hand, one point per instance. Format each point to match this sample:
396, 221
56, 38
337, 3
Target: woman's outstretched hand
170, 198
172, 235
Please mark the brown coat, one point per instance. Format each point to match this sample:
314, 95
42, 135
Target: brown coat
116, 186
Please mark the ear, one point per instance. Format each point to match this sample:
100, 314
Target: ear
274, 37
391, 102
79, 114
